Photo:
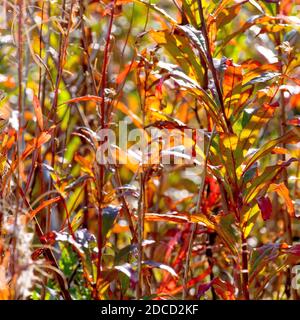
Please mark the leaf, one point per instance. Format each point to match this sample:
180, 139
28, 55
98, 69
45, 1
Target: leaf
262, 256
85, 238
162, 266
127, 269
43, 205
292, 136
227, 15
192, 282
294, 122
201, 218
253, 20
232, 84
68, 238
122, 75
293, 250
38, 112
283, 191
225, 235
185, 82
256, 70
218, 10
295, 100
158, 10
171, 217
75, 198
36, 143
228, 144
249, 219
251, 128
120, 2
266, 76
261, 183
179, 48
265, 207
257, 6
224, 289
109, 215
196, 38
195, 218
170, 125
83, 98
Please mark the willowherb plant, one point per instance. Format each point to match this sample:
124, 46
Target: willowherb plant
106, 190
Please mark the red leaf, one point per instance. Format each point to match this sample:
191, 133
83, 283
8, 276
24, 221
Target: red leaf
224, 289
158, 88
48, 238
294, 122
265, 207
294, 250
37, 253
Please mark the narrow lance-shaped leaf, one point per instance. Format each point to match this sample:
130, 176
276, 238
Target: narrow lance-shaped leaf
38, 112
292, 136
265, 206
251, 128
283, 191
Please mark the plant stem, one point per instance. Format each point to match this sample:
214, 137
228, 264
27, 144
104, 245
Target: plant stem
139, 286
211, 64
20, 111
101, 181
287, 219
194, 225
245, 271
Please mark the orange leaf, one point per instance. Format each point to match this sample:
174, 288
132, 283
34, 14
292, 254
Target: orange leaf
83, 98
279, 150
122, 76
36, 143
295, 101
38, 112
283, 191
44, 204
134, 118
232, 77
176, 218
